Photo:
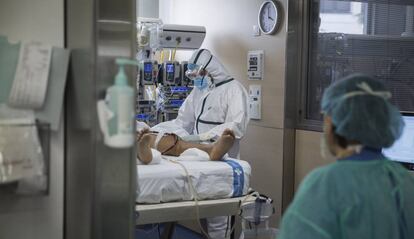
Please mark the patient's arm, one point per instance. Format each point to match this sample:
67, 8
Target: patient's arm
146, 141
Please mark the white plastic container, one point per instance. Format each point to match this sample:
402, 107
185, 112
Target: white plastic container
255, 219
116, 112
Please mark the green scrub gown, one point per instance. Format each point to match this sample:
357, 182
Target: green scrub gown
364, 196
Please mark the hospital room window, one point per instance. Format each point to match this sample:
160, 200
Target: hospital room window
336, 7
374, 37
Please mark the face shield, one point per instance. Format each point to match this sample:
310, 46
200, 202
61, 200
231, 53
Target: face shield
198, 75
195, 71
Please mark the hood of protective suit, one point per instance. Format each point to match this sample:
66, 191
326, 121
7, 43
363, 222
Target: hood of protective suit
210, 63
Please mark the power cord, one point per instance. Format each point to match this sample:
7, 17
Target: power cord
196, 200
195, 196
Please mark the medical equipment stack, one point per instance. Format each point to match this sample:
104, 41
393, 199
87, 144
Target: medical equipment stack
162, 85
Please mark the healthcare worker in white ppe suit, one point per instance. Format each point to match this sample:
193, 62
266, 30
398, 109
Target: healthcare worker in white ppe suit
217, 102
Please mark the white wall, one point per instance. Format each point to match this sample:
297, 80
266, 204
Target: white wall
229, 36
148, 8
37, 217
308, 154
40, 20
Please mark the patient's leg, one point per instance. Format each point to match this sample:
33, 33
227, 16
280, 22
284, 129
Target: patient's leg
144, 142
216, 151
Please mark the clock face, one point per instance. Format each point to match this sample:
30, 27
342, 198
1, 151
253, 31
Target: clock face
268, 17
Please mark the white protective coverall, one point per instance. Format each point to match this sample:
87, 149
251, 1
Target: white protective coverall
207, 113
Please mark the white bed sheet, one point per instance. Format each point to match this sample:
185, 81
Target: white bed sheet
167, 181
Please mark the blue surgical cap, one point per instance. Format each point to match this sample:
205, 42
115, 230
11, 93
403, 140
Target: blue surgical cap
361, 111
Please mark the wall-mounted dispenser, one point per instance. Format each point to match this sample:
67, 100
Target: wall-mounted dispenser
116, 112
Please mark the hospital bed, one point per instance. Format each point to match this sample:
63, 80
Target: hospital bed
164, 194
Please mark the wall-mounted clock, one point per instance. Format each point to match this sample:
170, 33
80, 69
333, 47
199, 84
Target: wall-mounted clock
270, 17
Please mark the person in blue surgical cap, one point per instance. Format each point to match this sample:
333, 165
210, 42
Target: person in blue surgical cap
362, 195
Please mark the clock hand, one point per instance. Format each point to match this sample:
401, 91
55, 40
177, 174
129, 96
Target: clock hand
270, 18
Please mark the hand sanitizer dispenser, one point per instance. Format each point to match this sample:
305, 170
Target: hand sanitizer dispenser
116, 112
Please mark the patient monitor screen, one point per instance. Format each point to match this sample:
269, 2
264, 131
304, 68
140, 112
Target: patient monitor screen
170, 68
148, 67
403, 148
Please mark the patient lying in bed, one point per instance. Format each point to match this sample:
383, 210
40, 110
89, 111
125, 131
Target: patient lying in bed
172, 145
